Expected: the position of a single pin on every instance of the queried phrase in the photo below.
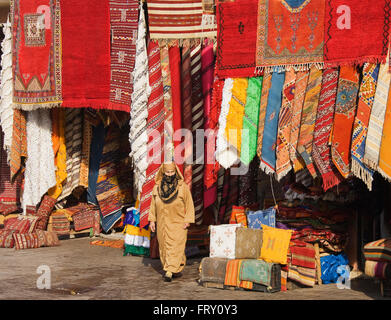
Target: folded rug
(305, 276)
(290, 34)
(262, 217)
(261, 272)
(213, 269)
(376, 269)
(379, 250)
(37, 49)
(222, 241)
(248, 243)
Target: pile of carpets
(378, 259)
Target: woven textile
(232, 273)
(268, 161)
(283, 163)
(6, 239)
(305, 276)
(302, 254)
(384, 166)
(6, 89)
(155, 121)
(366, 95)
(379, 270)
(266, 84)
(321, 153)
(248, 243)
(233, 60)
(73, 145)
(9, 192)
(310, 107)
(238, 216)
(123, 24)
(379, 250)
(40, 170)
(89, 118)
(376, 120)
(186, 108)
(177, 20)
(197, 114)
(36, 54)
(19, 142)
(346, 41)
(247, 184)
(262, 217)
(250, 120)
(222, 241)
(257, 271)
(138, 136)
(298, 102)
(213, 269)
(59, 223)
(345, 111)
(290, 33)
(275, 244)
(85, 219)
(85, 84)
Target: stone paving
(82, 271)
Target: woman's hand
(152, 226)
(186, 225)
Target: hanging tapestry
(123, 23)
(290, 33)
(247, 185)
(360, 129)
(6, 89)
(321, 152)
(89, 118)
(197, 111)
(268, 161)
(250, 120)
(376, 120)
(173, 19)
(384, 166)
(19, 142)
(267, 81)
(236, 38)
(222, 193)
(298, 102)
(155, 122)
(40, 170)
(138, 136)
(36, 48)
(345, 111)
(310, 107)
(356, 33)
(85, 38)
(283, 163)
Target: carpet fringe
(182, 42)
(385, 175)
(362, 173)
(266, 168)
(283, 68)
(370, 163)
(36, 106)
(330, 180)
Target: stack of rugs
(378, 259)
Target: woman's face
(169, 172)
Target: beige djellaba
(170, 219)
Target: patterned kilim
(268, 161)
(267, 81)
(173, 19)
(384, 166)
(250, 120)
(123, 21)
(347, 42)
(36, 53)
(345, 111)
(138, 137)
(321, 153)
(283, 163)
(360, 129)
(290, 33)
(376, 120)
(257, 271)
(114, 185)
(19, 142)
(298, 102)
(236, 38)
(73, 141)
(197, 123)
(310, 107)
(155, 121)
(305, 276)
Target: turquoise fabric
(257, 271)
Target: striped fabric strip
(197, 123)
(375, 127)
(360, 129)
(177, 19)
(155, 121)
(384, 166)
(187, 113)
(123, 23)
(232, 273)
(168, 126)
(267, 81)
(321, 152)
(138, 136)
(300, 86)
(19, 142)
(283, 163)
(73, 142)
(305, 276)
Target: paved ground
(82, 271)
